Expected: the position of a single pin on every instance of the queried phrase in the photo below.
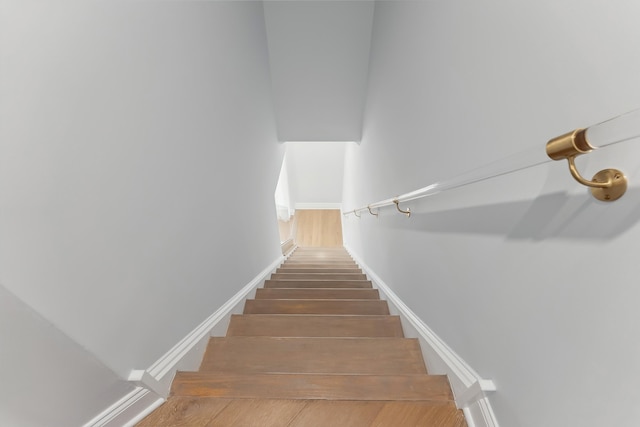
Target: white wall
(315, 171)
(282, 196)
(138, 163)
(525, 276)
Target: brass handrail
(606, 185)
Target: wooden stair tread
(351, 266)
(270, 283)
(323, 413)
(385, 356)
(318, 260)
(326, 255)
(313, 386)
(304, 325)
(318, 276)
(300, 306)
(316, 293)
(295, 270)
(216, 412)
(325, 261)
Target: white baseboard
(129, 410)
(153, 384)
(480, 414)
(470, 390)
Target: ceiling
(319, 60)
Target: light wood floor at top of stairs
(315, 347)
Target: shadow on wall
(552, 216)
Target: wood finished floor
(315, 347)
(318, 228)
(209, 412)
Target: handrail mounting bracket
(607, 185)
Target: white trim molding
(129, 410)
(470, 390)
(153, 384)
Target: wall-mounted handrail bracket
(607, 185)
(407, 212)
(355, 212)
(372, 213)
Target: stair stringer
(469, 388)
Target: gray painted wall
(319, 56)
(48, 379)
(138, 162)
(530, 280)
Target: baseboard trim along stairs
(470, 389)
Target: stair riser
(317, 293)
(325, 387)
(296, 270)
(353, 307)
(318, 284)
(319, 265)
(374, 356)
(331, 264)
(314, 326)
(335, 256)
(318, 276)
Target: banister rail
(607, 185)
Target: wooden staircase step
(321, 253)
(216, 412)
(318, 276)
(301, 251)
(351, 266)
(329, 264)
(248, 355)
(316, 293)
(313, 386)
(299, 260)
(317, 283)
(324, 257)
(320, 264)
(300, 306)
(304, 325)
(296, 270)
(321, 248)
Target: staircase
(316, 347)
